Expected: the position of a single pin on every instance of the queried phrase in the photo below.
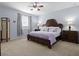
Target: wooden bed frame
(50, 22)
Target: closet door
(5, 28)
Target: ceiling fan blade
(38, 9)
(40, 6)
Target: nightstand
(70, 36)
(37, 30)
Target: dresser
(70, 36)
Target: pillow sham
(50, 29)
(54, 29)
(43, 29)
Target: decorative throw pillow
(43, 28)
(54, 29)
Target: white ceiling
(48, 6)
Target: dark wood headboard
(53, 22)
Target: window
(24, 20)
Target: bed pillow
(43, 29)
(54, 29)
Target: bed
(46, 37)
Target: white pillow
(54, 29)
(43, 28)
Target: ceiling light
(36, 6)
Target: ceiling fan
(36, 5)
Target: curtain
(19, 25)
(30, 24)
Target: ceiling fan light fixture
(36, 6)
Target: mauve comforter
(46, 35)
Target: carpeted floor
(23, 47)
